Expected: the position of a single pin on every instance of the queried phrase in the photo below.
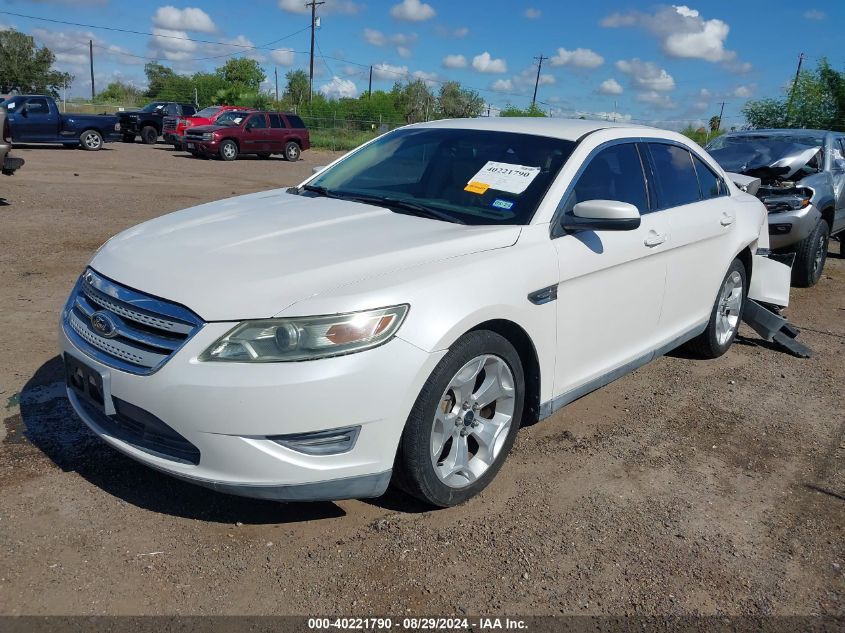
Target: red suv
(174, 127)
(243, 132)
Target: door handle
(655, 240)
(726, 220)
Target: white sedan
(400, 314)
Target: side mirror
(23, 112)
(839, 165)
(602, 215)
(317, 169)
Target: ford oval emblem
(103, 324)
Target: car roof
(567, 129)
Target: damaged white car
(400, 314)
(801, 177)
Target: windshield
(208, 112)
(9, 104)
(473, 176)
(233, 117)
(154, 106)
(749, 152)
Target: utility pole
(276, 73)
(91, 59)
(370, 89)
(794, 83)
(313, 4)
(537, 81)
(721, 113)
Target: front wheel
(292, 151)
(228, 150)
(725, 316)
(91, 140)
(811, 256)
(149, 135)
(464, 421)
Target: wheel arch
(747, 259)
(828, 213)
(524, 345)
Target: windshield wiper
(320, 190)
(406, 205)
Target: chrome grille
(170, 123)
(134, 331)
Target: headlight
(306, 338)
(208, 136)
(186, 123)
(791, 200)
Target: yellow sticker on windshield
(476, 187)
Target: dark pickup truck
(36, 119)
(148, 122)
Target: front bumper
(11, 164)
(228, 410)
(788, 228)
(173, 138)
(201, 147)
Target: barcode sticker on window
(505, 177)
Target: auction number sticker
(502, 177)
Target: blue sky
(640, 60)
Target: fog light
(330, 442)
(779, 229)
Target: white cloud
(502, 85)
(377, 38)
(610, 87)
(412, 11)
(462, 31)
(815, 14)
(682, 31)
(339, 88)
(646, 75)
(403, 51)
(454, 61)
(345, 7)
(656, 100)
(528, 76)
(172, 45)
(71, 48)
(484, 63)
(188, 19)
(532, 14)
(389, 72)
(429, 78)
(744, 92)
(447, 32)
(282, 56)
(605, 116)
(579, 58)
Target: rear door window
(295, 121)
(276, 120)
(257, 121)
(676, 182)
(710, 184)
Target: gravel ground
(688, 487)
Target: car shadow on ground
(54, 146)
(50, 425)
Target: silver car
(802, 184)
(8, 164)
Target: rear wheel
(811, 256)
(464, 421)
(228, 150)
(149, 135)
(292, 151)
(91, 140)
(725, 316)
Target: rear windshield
(473, 176)
(208, 112)
(232, 117)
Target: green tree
(296, 90)
(242, 72)
(455, 102)
(26, 68)
(207, 86)
(415, 101)
(715, 123)
(120, 93)
(531, 110)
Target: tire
(91, 140)
(725, 316)
(447, 416)
(811, 256)
(128, 138)
(292, 151)
(264, 155)
(149, 135)
(228, 150)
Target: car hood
(211, 127)
(253, 256)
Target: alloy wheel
(472, 421)
(92, 141)
(730, 304)
(820, 256)
(229, 151)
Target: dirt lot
(688, 487)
